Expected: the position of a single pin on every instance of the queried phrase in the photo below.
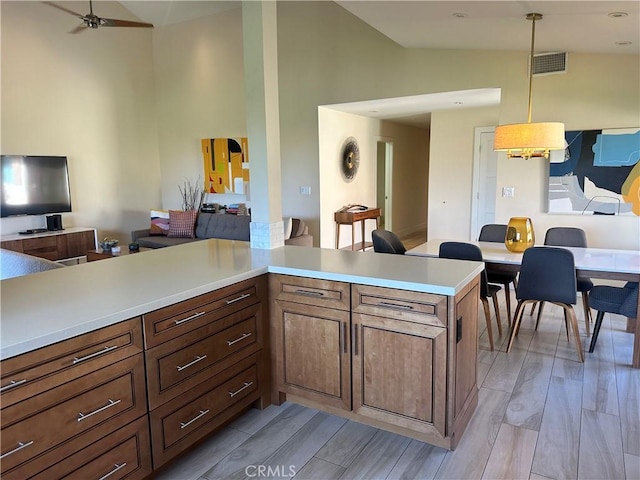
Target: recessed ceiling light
(623, 42)
(618, 14)
(459, 15)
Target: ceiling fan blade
(79, 28)
(51, 4)
(111, 22)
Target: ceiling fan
(91, 20)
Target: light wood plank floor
(541, 415)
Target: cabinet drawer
(175, 320)
(44, 247)
(404, 305)
(13, 245)
(35, 372)
(39, 423)
(310, 291)
(195, 357)
(181, 422)
(124, 453)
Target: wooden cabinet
(79, 392)
(400, 357)
(61, 245)
(205, 364)
(396, 359)
(311, 335)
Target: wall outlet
(508, 191)
(305, 190)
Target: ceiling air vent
(548, 63)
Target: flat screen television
(34, 185)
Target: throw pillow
(159, 222)
(298, 227)
(182, 224)
(288, 225)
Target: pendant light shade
(526, 140)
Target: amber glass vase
(520, 234)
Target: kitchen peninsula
(178, 341)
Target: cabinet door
(399, 372)
(312, 353)
(466, 350)
(75, 244)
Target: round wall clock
(350, 158)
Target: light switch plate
(508, 191)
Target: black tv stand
(31, 231)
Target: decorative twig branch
(191, 194)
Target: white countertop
(48, 233)
(43, 308)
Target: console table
(56, 245)
(351, 218)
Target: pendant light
(526, 140)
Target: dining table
(602, 263)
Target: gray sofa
(16, 264)
(215, 225)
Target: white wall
(88, 96)
(334, 128)
(451, 170)
(199, 75)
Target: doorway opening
(384, 183)
(485, 180)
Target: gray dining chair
(547, 274)
(468, 251)
(571, 237)
(608, 299)
(385, 241)
(496, 232)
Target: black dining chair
(571, 237)
(468, 251)
(385, 241)
(607, 299)
(547, 274)
(496, 232)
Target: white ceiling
(567, 26)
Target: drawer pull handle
(244, 387)
(237, 299)
(94, 354)
(20, 446)
(12, 383)
(192, 317)
(242, 337)
(310, 293)
(200, 415)
(117, 467)
(395, 305)
(82, 416)
(197, 359)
